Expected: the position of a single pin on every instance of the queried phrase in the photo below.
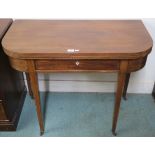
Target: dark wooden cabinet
(12, 88)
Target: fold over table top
(86, 39)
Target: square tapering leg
(35, 90)
(120, 87)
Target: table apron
(75, 65)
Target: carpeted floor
(87, 114)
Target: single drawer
(76, 65)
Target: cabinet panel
(12, 88)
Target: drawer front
(76, 65)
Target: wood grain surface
(73, 65)
(4, 25)
(97, 39)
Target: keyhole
(77, 63)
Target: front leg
(35, 90)
(120, 86)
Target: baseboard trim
(93, 86)
(153, 92)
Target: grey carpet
(87, 114)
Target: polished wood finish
(35, 89)
(73, 65)
(108, 39)
(120, 86)
(74, 45)
(12, 88)
(126, 86)
(136, 64)
(19, 64)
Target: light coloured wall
(140, 82)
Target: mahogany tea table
(120, 46)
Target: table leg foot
(114, 133)
(41, 133)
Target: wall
(140, 82)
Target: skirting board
(86, 86)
